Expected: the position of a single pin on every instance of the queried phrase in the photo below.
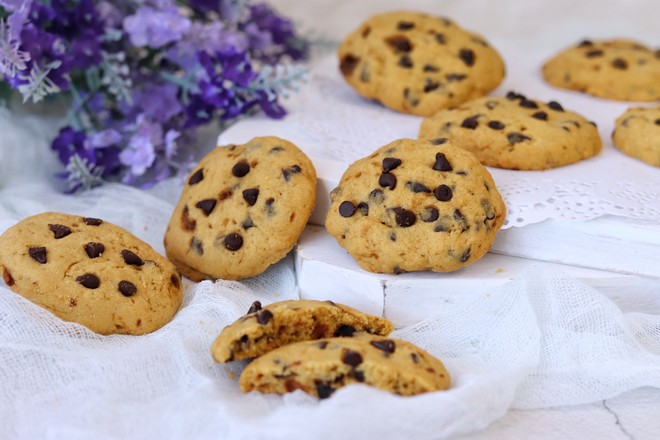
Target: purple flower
(159, 102)
(140, 152)
(102, 139)
(70, 142)
(153, 28)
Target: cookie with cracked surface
(416, 205)
(516, 132)
(321, 367)
(622, 70)
(416, 63)
(637, 134)
(242, 209)
(264, 329)
(90, 271)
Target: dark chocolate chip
(89, 280)
(593, 53)
(240, 169)
(585, 43)
(127, 288)
(323, 390)
(460, 218)
(443, 193)
(288, 172)
(174, 279)
(406, 62)
(619, 63)
(399, 43)
(197, 177)
(197, 245)
(358, 375)
(555, 106)
(250, 195)
(207, 206)
(264, 316)
(387, 180)
(348, 64)
(233, 242)
(393, 236)
(268, 207)
(528, 103)
(60, 231)
(657, 121)
(513, 96)
(387, 345)
(363, 208)
(322, 344)
(541, 115)
(467, 55)
(417, 187)
(430, 68)
(470, 122)
(405, 25)
(495, 125)
(438, 141)
(390, 163)
(346, 209)
(377, 196)
(440, 38)
(131, 258)
(455, 77)
(465, 256)
(6, 275)
(517, 137)
(38, 254)
(414, 357)
(441, 163)
(247, 223)
(344, 331)
(255, 307)
(94, 250)
(430, 85)
(404, 218)
(91, 221)
(352, 358)
(429, 214)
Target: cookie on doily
(89, 271)
(243, 208)
(416, 205)
(620, 69)
(637, 133)
(416, 63)
(516, 132)
(321, 367)
(264, 329)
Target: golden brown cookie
(623, 70)
(416, 205)
(89, 271)
(321, 367)
(243, 208)
(285, 322)
(637, 133)
(419, 64)
(516, 132)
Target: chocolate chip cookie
(321, 367)
(623, 70)
(243, 208)
(416, 205)
(637, 134)
(264, 329)
(516, 132)
(89, 271)
(419, 64)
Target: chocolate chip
(366, 31)
(455, 77)
(513, 96)
(250, 195)
(323, 390)
(406, 62)
(6, 275)
(127, 288)
(288, 172)
(470, 122)
(405, 25)
(555, 106)
(657, 121)
(399, 43)
(430, 68)
(387, 345)
(247, 223)
(348, 64)
(441, 163)
(174, 279)
(94, 250)
(197, 245)
(543, 116)
(89, 280)
(619, 63)
(91, 221)
(514, 138)
(465, 256)
(346, 209)
(344, 331)
(264, 316)
(377, 196)
(430, 85)
(440, 38)
(467, 55)
(594, 53)
(438, 141)
(585, 43)
(390, 163)
(206, 205)
(417, 187)
(495, 125)
(528, 103)
(443, 193)
(358, 375)
(404, 218)
(363, 208)
(414, 357)
(410, 99)
(187, 223)
(38, 254)
(460, 218)
(387, 180)
(393, 236)
(268, 207)
(60, 231)
(255, 307)
(233, 242)
(322, 344)
(429, 214)
(352, 358)
(240, 169)
(131, 258)
(197, 177)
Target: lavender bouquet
(143, 75)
